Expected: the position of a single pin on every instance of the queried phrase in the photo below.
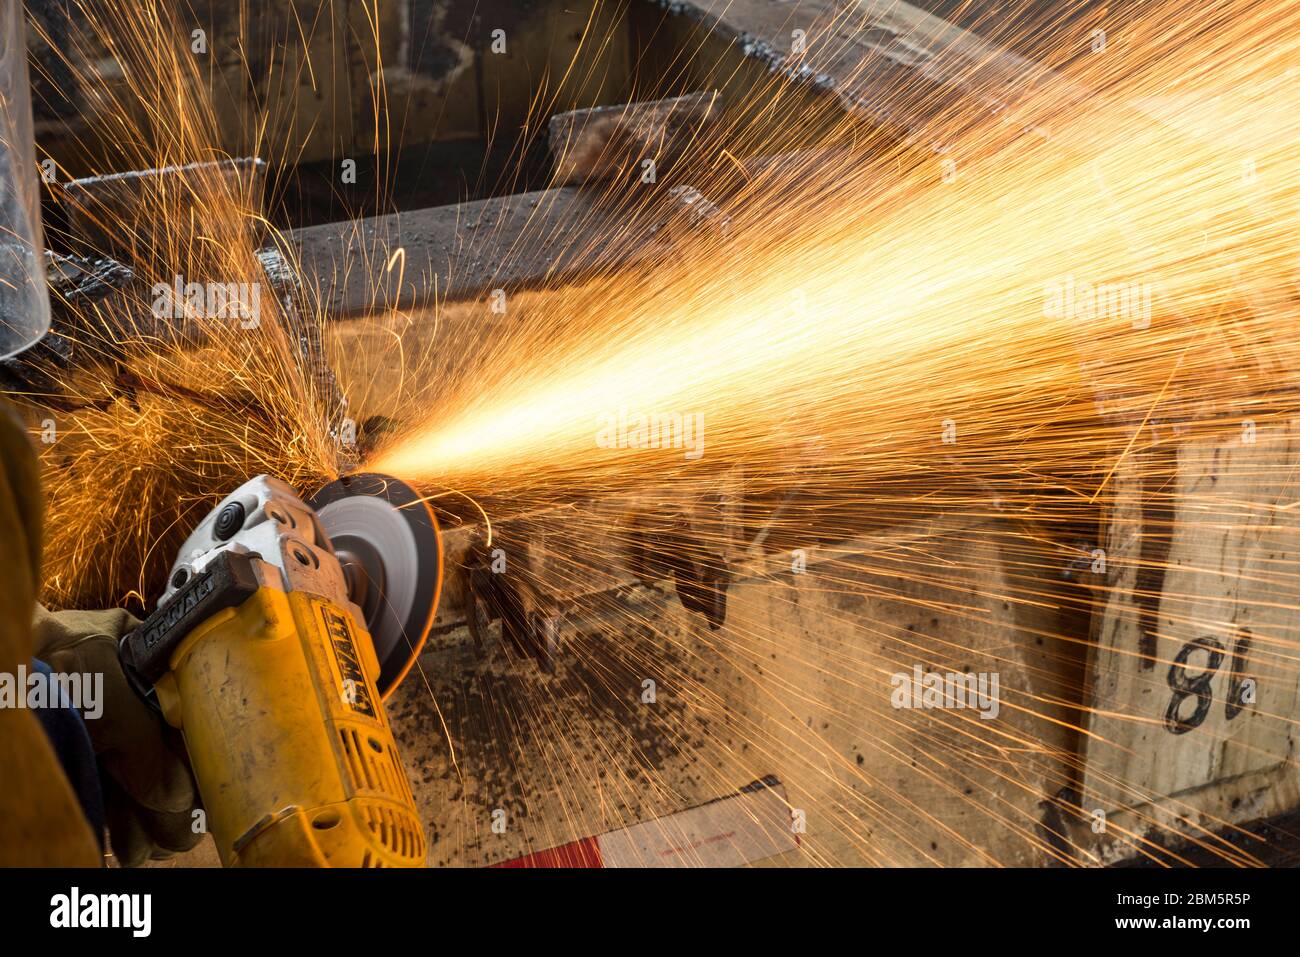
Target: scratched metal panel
(795, 684)
(1201, 545)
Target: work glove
(149, 793)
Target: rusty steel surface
(610, 141)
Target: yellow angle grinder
(283, 627)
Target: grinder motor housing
(258, 654)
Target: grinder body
(258, 655)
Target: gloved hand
(149, 793)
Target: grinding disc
(386, 536)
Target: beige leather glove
(149, 793)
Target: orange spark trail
(866, 314)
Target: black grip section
(225, 583)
